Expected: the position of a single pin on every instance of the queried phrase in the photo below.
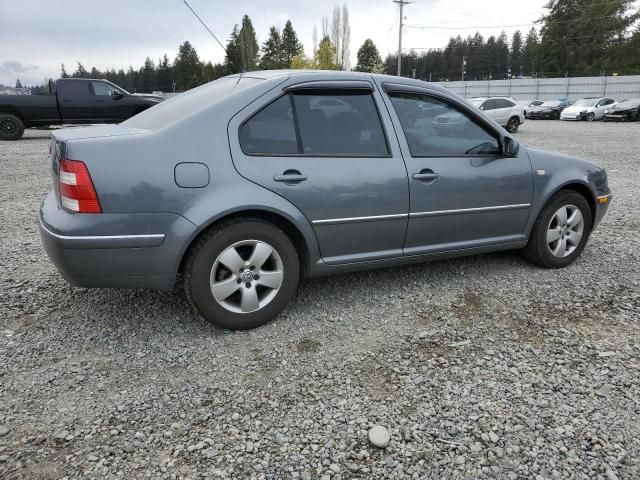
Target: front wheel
(513, 124)
(560, 232)
(11, 127)
(590, 117)
(242, 274)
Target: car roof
(341, 74)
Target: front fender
(554, 171)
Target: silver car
(504, 110)
(241, 188)
(588, 109)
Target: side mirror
(116, 95)
(510, 147)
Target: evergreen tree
(530, 52)
(121, 79)
(516, 52)
(272, 51)
(187, 68)
(369, 58)
(578, 36)
(63, 72)
(148, 76)
(291, 46)
(132, 81)
(80, 72)
(326, 56)
(502, 65)
(248, 45)
(164, 81)
(232, 60)
(18, 83)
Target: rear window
(175, 108)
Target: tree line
(573, 37)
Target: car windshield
(633, 103)
(585, 102)
(551, 103)
(476, 102)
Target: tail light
(77, 193)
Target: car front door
(464, 192)
(333, 161)
(110, 107)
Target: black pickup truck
(71, 101)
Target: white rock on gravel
(379, 436)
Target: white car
(504, 110)
(589, 109)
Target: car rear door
(77, 102)
(464, 192)
(333, 160)
(490, 108)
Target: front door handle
(290, 177)
(426, 175)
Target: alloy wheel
(8, 127)
(512, 126)
(565, 231)
(590, 117)
(246, 276)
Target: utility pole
(464, 67)
(402, 3)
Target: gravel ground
(482, 367)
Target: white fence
(619, 88)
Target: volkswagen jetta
(239, 189)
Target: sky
(37, 36)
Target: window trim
(476, 118)
(296, 126)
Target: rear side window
(502, 103)
(271, 130)
(434, 128)
(327, 123)
(75, 88)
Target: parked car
(241, 188)
(504, 110)
(627, 111)
(529, 103)
(589, 109)
(549, 110)
(72, 101)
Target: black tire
(513, 124)
(11, 127)
(590, 117)
(556, 115)
(203, 256)
(537, 250)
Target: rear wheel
(513, 124)
(242, 274)
(11, 127)
(560, 232)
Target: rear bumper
(141, 250)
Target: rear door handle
(290, 177)
(425, 176)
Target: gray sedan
(239, 189)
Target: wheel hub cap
(246, 276)
(565, 230)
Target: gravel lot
(482, 367)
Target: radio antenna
(242, 69)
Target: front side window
(450, 133)
(327, 123)
(103, 89)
